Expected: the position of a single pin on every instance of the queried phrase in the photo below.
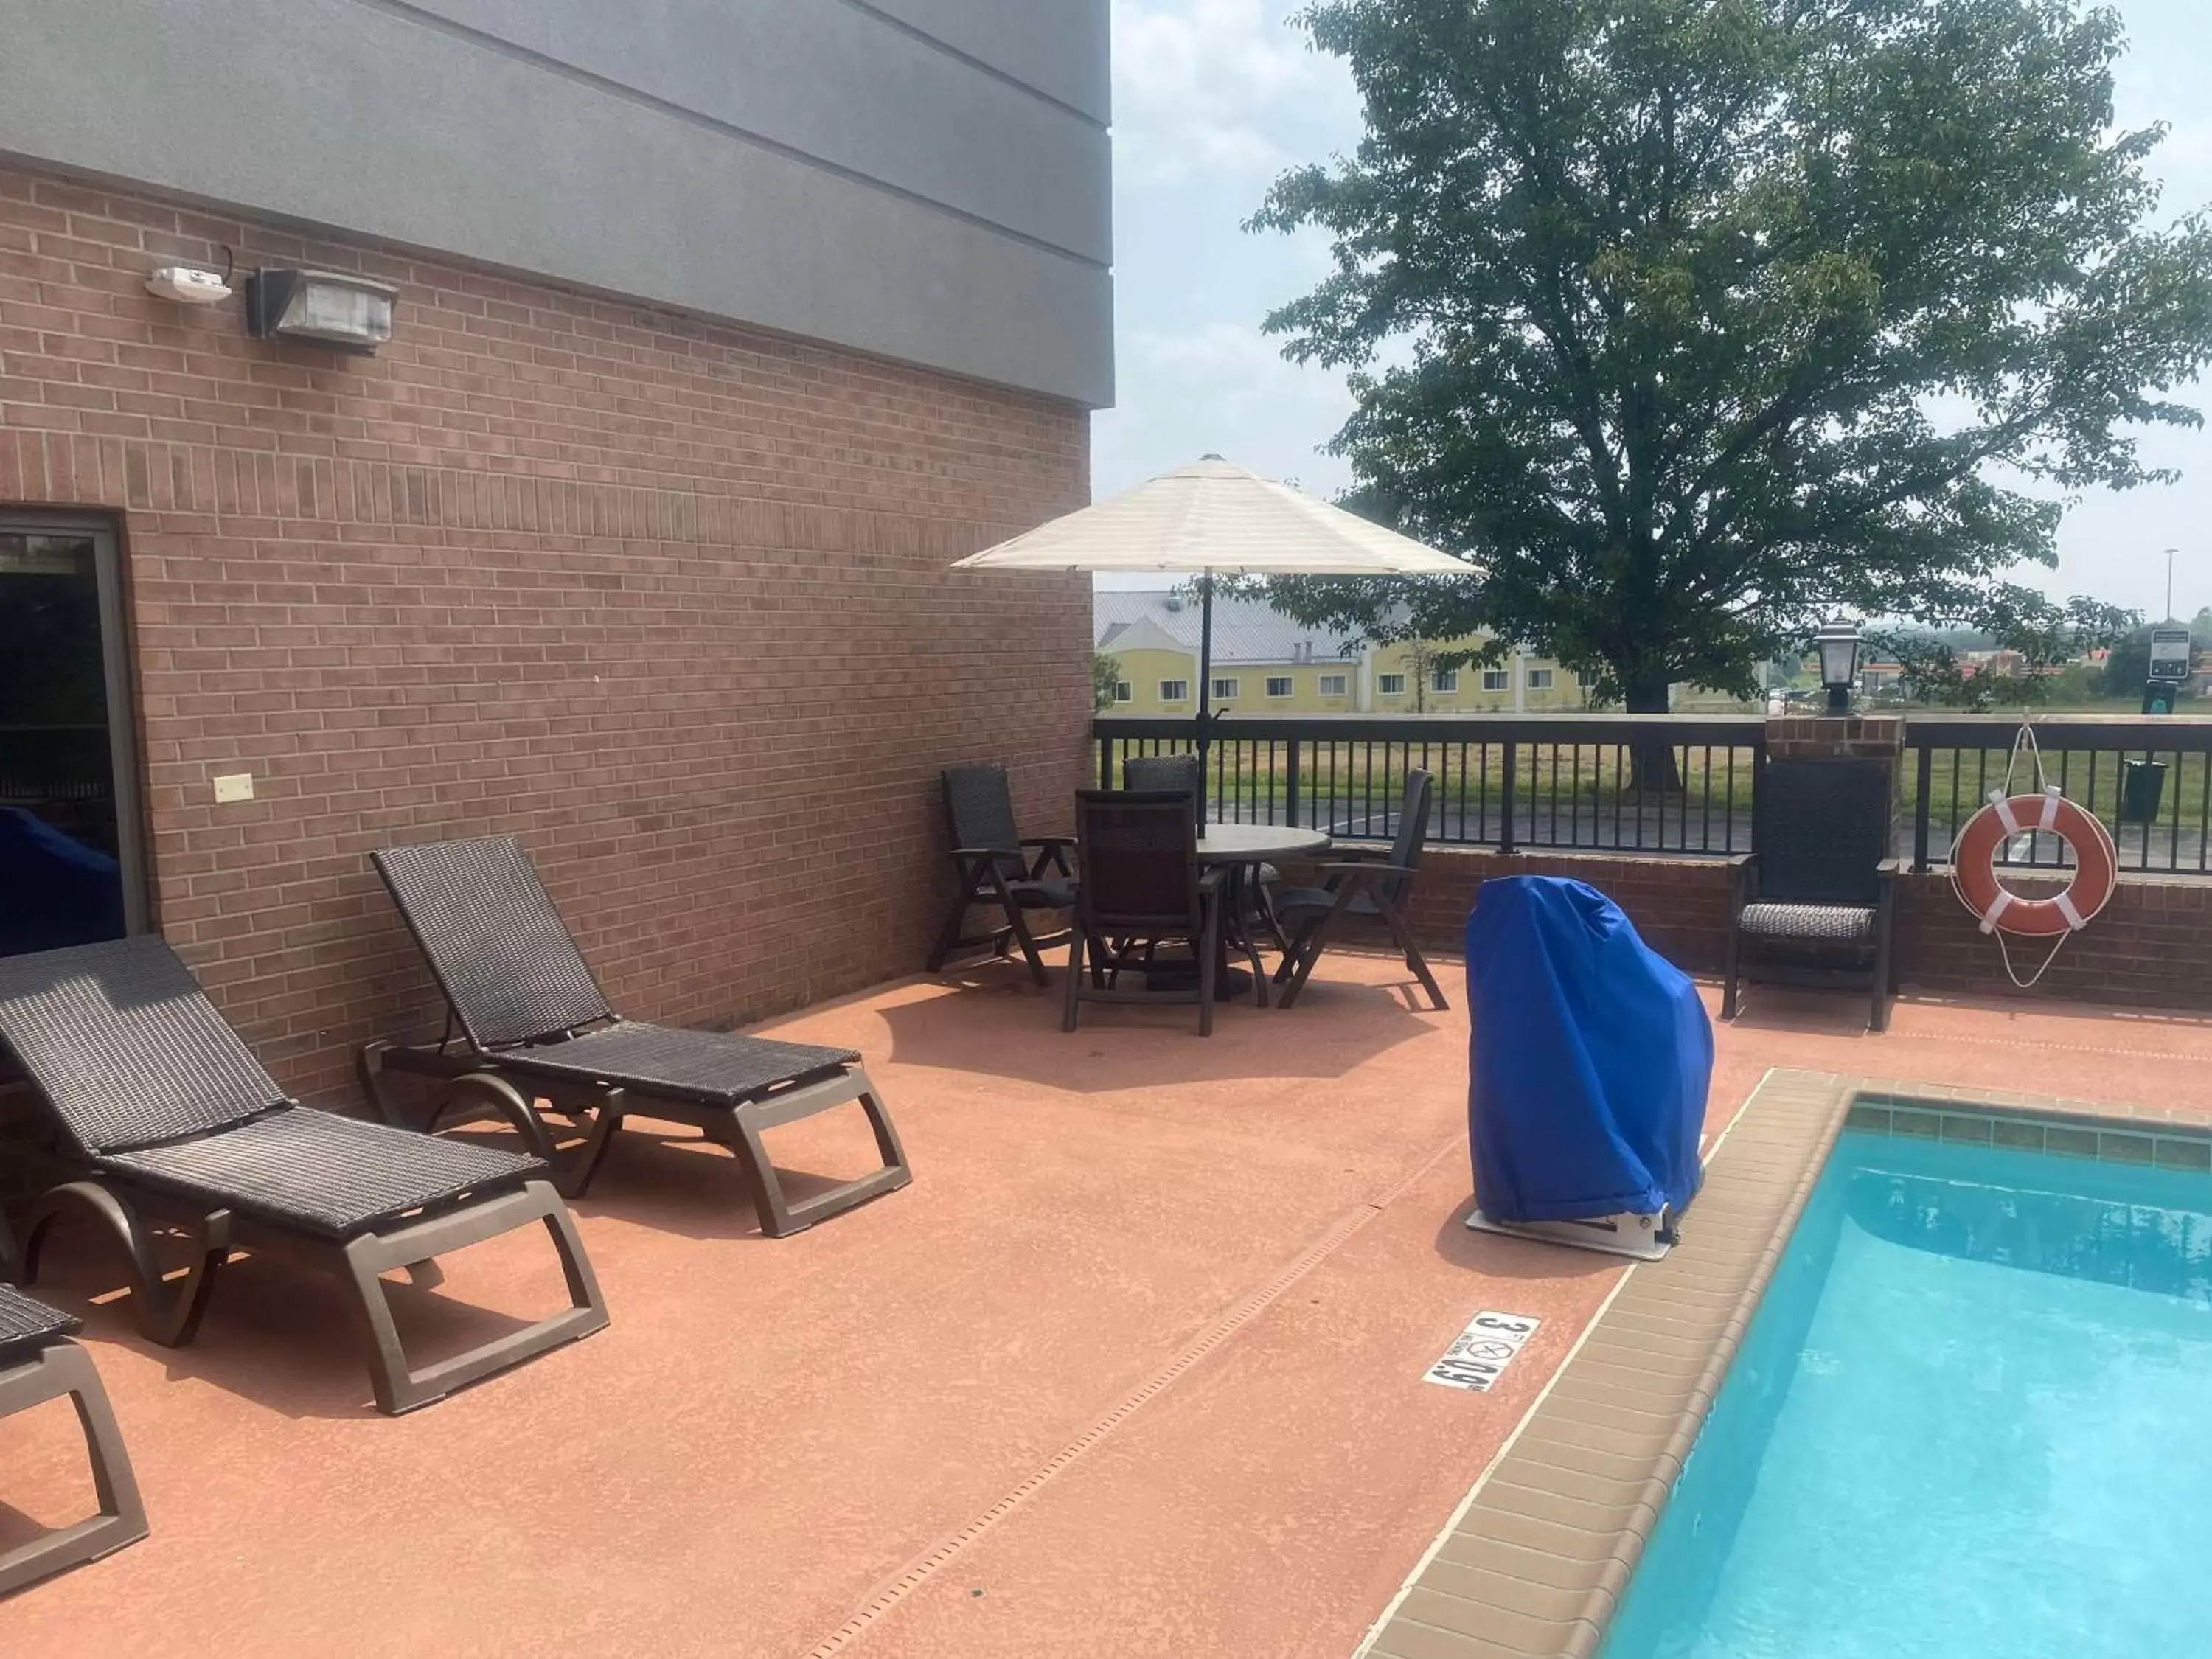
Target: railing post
(1506, 796)
(1105, 759)
(1291, 781)
(1923, 775)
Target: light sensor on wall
(333, 308)
(188, 285)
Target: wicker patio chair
(998, 866)
(1141, 884)
(39, 1363)
(166, 1114)
(1366, 883)
(1819, 883)
(534, 1024)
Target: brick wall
(2151, 948)
(666, 598)
(1681, 906)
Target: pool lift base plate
(1643, 1238)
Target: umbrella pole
(1204, 686)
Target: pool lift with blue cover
(1588, 1066)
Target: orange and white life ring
(1973, 865)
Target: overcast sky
(1213, 98)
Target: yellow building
(1406, 679)
(1266, 664)
(1263, 662)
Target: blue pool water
(1972, 1418)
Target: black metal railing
(1630, 783)
(2148, 780)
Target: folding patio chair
(534, 1024)
(1356, 884)
(1184, 772)
(998, 866)
(39, 1363)
(167, 1113)
(1142, 884)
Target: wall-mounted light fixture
(333, 308)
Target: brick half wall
(1681, 906)
(2152, 947)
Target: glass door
(70, 845)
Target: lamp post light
(1838, 642)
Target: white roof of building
(1244, 630)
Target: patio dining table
(1241, 849)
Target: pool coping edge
(1758, 1181)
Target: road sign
(2169, 653)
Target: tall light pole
(2169, 584)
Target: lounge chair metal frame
(96, 1185)
(498, 1069)
(45, 1365)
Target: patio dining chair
(1367, 883)
(1815, 897)
(1141, 885)
(1000, 868)
(39, 1363)
(1186, 773)
(533, 1025)
(166, 1117)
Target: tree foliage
(2040, 633)
(1105, 678)
(1693, 321)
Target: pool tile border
(2063, 1129)
(1534, 1565)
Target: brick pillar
(1798, 737)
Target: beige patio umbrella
(1213, 517)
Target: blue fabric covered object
(53, 891)
(1590, 1058)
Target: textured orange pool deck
(1133, 1368)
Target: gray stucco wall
(923, 180)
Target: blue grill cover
(1590, 1058)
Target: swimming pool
(1972, 1417)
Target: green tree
(1693, 321)
(1105, 678)
(2043, 635)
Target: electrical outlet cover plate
(233, 787)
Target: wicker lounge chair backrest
(123, 1043)
(1139, 852)
(1821, 828)
(508, 964)
(979, 808)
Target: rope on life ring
(1974, 855)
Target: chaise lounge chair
(166, 1113)
(534, 1024)
(39, 1363)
